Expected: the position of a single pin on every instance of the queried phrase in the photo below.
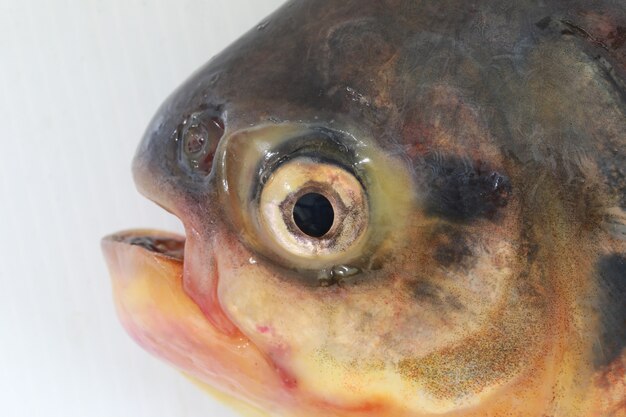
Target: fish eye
(312, 199)
(199, 139)
(313, 210)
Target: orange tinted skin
(488, 277)
(159, 315)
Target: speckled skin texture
(490, 279)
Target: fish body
(393, 208)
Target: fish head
(393, 209)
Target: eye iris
(313, 214)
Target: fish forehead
(512, 90)
(378, 63)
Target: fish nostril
(313, 214)
(200, 137)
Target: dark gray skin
(506, 122)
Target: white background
(79, 81)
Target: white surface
(79, 81)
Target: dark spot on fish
(544, 23)
(614, 169)
(428, 292)
(612, 306)
(460, 190)
(453, 249)
(618, 37)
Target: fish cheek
(479, 290)
(453, 248)
(377, 337)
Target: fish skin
(491, 141)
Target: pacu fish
(393, 208)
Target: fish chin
(146, 269)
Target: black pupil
(313, 214)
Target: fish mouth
(168, 245)
(147, 275)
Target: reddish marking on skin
(612, 386)
(617, 37)
(276, 357)
(614, 375)
(289, 381)
(599, 24)
(417, 138)
(262, 329)
(610, 32)
(334, 178)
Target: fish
(393, 208)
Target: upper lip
(169, 245)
